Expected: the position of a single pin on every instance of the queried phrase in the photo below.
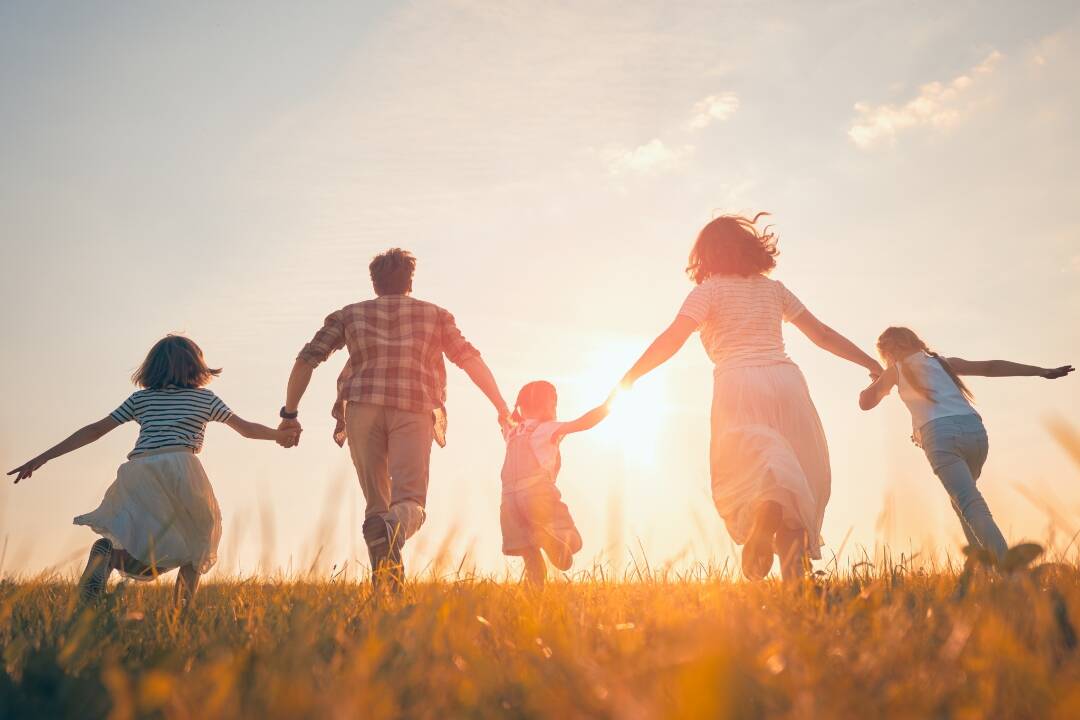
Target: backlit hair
(174, 361)
(533, 399)
(392, 272)
(896, 343)
(732, 245)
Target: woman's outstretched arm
(1005, 368)
(79, 438)
(828, 339)
(662, 349)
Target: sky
(228, 172)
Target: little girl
(160, 513)
(533, 515)
(945, 424)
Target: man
(391, 397)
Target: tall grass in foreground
(879, 641)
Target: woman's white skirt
(162, 511)
(768, 444)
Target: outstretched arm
(257, 431)
(871, 396)
(481, 375)
(586, 422)
(828, 339)
(79, 438)
(662, 349)
(1005, 368)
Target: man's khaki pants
(391, 450)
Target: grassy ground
(877, 642)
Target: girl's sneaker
(98, 568)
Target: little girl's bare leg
(187, 582)
(535, 568)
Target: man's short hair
(392, 272)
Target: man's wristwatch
(286, 415)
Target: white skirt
(162, 511)
(768, 445)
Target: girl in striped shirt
(160, 513)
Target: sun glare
(637, 415)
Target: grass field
(879, 641)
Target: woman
(769, 460)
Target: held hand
(290, 433)
(1055, 373)
(27, 469)
(875, 371)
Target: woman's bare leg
(535, 568)
(757, 554)
(187, 582)
(791, 546)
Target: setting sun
(638, 415)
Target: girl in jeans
(945, 424)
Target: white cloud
(938, 105)
(714, 108)
(652, 157)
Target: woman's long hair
(732, 245)
(532, 399)
(896, 343)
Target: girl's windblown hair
(896, 343)
(174, 361)
(533, 399)
(732, 245)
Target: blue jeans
(956, 448)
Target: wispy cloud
(714, 108)
(653, 157)
(938, 105)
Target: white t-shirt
(532, 455)
(944, 398)
(740, 319)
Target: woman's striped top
(171, 417)
(740, 319)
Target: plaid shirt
(396, 346)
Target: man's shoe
(384, 549)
